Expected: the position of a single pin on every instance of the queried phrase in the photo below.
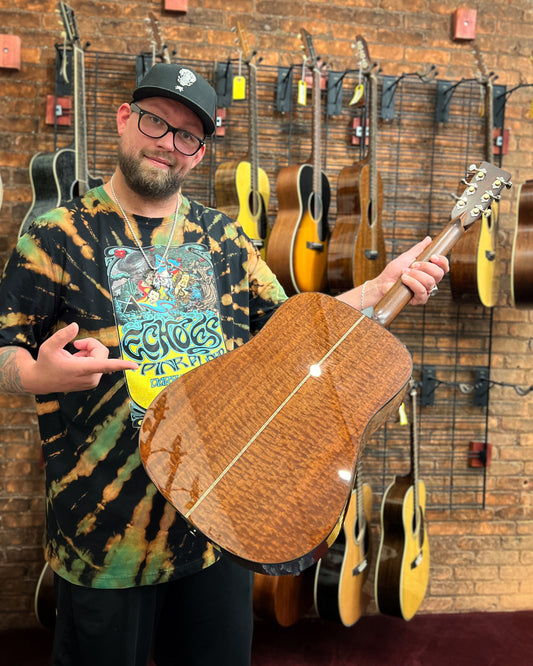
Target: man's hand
(56, 369)
(421, 277)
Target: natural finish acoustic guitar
(474, 271)
(402, 568)
(242, 188)
(264, 466)
(339, 590)
(298, 244)
(356, 250)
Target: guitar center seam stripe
(245, 448)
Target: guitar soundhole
(254, 203)
(315, 206)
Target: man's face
(153, 167)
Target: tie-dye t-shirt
(106, 524)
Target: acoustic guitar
(341, 574)
(59, 176)
(283, 599)
(402, 568)
(474, 273)
(356, 250)
(298, 244)
(522, 252)
(264, 467)
(242, 188)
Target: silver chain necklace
(156, 267)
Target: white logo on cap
(185, 78)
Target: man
(106, 301)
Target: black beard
(157, 189)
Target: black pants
(194, 621)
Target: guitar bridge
(318, 247)
(417, 560)
(360, 567)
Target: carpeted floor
(469, 639)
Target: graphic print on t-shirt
(168, 320)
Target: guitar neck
(489, 119)
(253, 145)
(316, 141)
(372, 156)
(414, 448)
(80, 127)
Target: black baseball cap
(184, 85)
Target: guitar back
(265, 492)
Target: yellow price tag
(357, 94)
(302, 92)
(239, 87)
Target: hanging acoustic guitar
(356, 250)
(298, 244)
(257, 449)
(474, 272)
(402, 566)
(59, 176)
(242, 188)
(522, 252)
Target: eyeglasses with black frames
(155, 127)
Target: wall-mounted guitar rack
(430, 131)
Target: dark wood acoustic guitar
(264, 466)
(59, 176)
(522, 252)
(402, 566)
(474, 271)
(339, 590)
(283, 599)
(298, 244)
(356, 250)
(242, 188)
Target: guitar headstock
(484, 74)
(309, 48)
(69, 23)
(483, 185)
(160, 48)
(363, 55)
(242, 38)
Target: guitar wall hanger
(390, 83)
(283, 89)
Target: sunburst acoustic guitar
(474, 270)
(242, 188)
(269, 484)
(298, 245)
(356, 250)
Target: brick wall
(482, 559)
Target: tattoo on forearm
(9, 372)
